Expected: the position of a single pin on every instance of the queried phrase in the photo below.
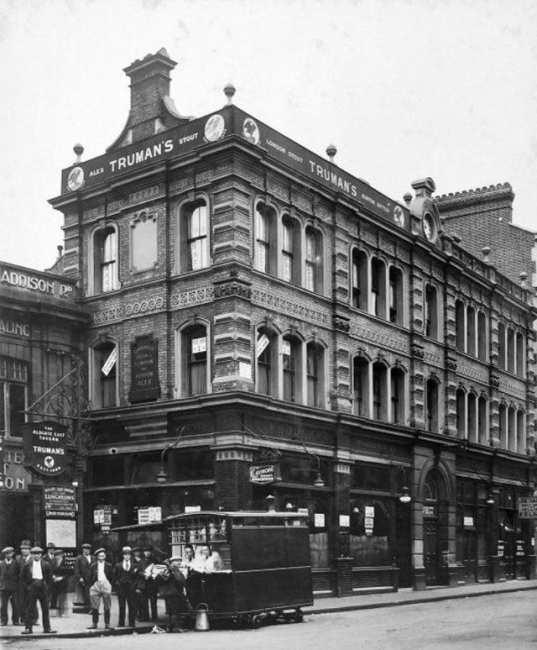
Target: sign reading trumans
(45, 447)
(231, 121)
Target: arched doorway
(434, 528)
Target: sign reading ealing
(45, 447)
(231, 121)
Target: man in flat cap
(101, 582)
(9, 587)
(22, 559)
(37, 576)
(60, 582)
(49, 555)
(82, 573)
(127, 578)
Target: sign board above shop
(230, 121)
(45, 447)
(527, 507)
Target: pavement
(74, 625)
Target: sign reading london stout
(144, 370)
(45, 447)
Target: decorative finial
(486, 252)
(229, 91)
(407, 198)
(79, 150)
(331, 151)
(523, 278)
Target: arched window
(104, 374)
(193, 355)
(482, 336)
(460, 330)
(315, 374)
(520, 354)
(194, 237)
(267, 362)
(361, 386)
(314, 260)
(359, 292)
(502, 417)
(291, 250)
(265, 239)
(511, 429)
(431, 311)
(510, 350)
(521, 431)
(105, 275)
(470, 331)
(396, 295)
(380, 391)
(378, 288)
(482, 420)
(398, 395)
(292, 366)
(472, 417)
(501, 346)
(431, 406)
(461, 413)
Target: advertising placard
(60, 502)
(261, 474)
(527, 507)
(145, 384)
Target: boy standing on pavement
(9, 586)
(101, 580)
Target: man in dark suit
(82, 571)
(24, 557)
(9, 587)
(101, 582)
(60, 582)
(127, 578)
(37, 576)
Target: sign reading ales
(144, 376)
(45, 447)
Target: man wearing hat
(100, 581)
(172, 589)
(21, 560)
(49, 555)
(127, 578)
(9, 586)
(82, 573)
(60, 582)
(37, 576)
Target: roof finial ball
(331, 151)
(79, 150)
(229, 91)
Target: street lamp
(162, 476)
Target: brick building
(483, 219)
(262, 322)
(41, 340)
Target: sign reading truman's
(45, 447)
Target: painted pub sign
(145, 385)
(45, 447)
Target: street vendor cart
(259, 566)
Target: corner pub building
(264, 323)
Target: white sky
(403, 88)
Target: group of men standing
(26, 580)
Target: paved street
(507, 621)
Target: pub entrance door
(430, 551)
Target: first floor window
(104, 389)
(195, 356)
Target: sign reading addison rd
(527, 507)
(45, 447)
(60, 502)
(144, 370)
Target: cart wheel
(299, 616)
(256, 621)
